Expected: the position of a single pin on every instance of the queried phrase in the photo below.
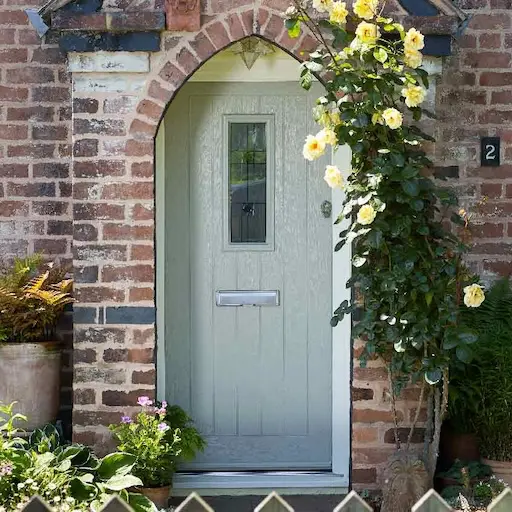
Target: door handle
(326, 208)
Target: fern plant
(481, 393)
(33, 295)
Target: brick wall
(117, 103)
(35, 136)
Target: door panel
(257, 380)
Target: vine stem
(393, 408)
(416, 415)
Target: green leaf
(139, 503)
(293, 27)
(119, 482)
(380, 54)
(418, 205)
(428, 297)
(358, 261)
(434, 376)
(82, 491)
(468, 337)
(306, 80)
(464, 354)
(411, 187)
(64, 465)
(116, 464)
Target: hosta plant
(67, 477)
(33, 295)
(407, 259)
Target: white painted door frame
(276, 67)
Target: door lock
(326, 208)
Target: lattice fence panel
(431, 502)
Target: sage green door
(243, 215)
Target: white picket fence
(431, 502)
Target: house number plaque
(490, 152)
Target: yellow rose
(327, 136)
(413, 58)
(322, 5)
(339, 13)
(366, 214)
(414, 40)
(366, 9)
(473, 295)
(377, 118)
(333, 177)
(367, 33)
(313, 148)
(393, 118)
(414, 95)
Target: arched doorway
(245, 277)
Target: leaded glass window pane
(248, 182)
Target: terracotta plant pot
(30, 375)
(455, 445)
(502, 470)
(158, 495)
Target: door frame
(278, 67)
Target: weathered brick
(39, 189)
(403, 435)
(144, 377)
(160, 93)
(51, 94)
(364, 475)
(31, 150)
(125, 398)
(98, 294)
(97, 211)
(84, 396)
(93, 252)
(87, 355)
(13, 208)
(13, 170)
(142, 252)
(136, 273)
(51, 247)
(99, 168)
(85, 232)
(141, 294)
(362, 394)
(49, 132)
(100, 335)
(36, 113)
(85, 147)
(30, 75)
(99, 126)
(140, 190)
(50, 208)
(94, 374)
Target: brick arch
(184, 61)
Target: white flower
(414, 40)
(313, 147)
(414, 95)
(393, 118)
(473, 295)
(366, 9)
(366, 214)
(322, 5)
(333, 177)
(327, 136)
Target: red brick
(13, 208)
(30, 75)
(85, 147)
(50, 170)
(85, 105)
(373, 416)
(86, 190)
(13, 55)
(32, 150)
(142, 212)
(98, 211)
(143, 130)
(84, 355)
(484, 60)
(364, 435)
(134, 273)
(490, 22)
(99, 168)
(98, 294)
(235, 27)
(362, 394)
(48, 56)
(171, 74)
(141, 377)
(139, 190)
(127, 232)
(141, 294)
(39, 189)
(73, 21)
(84, 396)
(503, 268)
(139, 148)
(364, 475)
(274, 27)
(144, 336)
(13, 131)
(126, 398)
(492, 248)
(187, 61)
(50, 208)
(17, 17)
(51, 247)
(28, 37)
(13, 93)
(52, 94)
(7, 35)
(218, 35)
(490, 41)
(202, 46)
(150, 109)
(142, 170)
(160, 93)
(49, 132)
(487, 230)
(85, 232)
(142, 252)
(99, 126)
(373, 455)
(13, 170)
(491, 190)
(370, 374)
(495, 116)
(495, 79)
(36, 113)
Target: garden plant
(402, 225)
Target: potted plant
(155, 444)
(493, 356)
(33, 296)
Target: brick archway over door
(115, 120)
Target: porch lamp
(251, 48)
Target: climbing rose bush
(407, 258)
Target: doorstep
(259, 483)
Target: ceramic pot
(158, 495)
(502, 470)
(457, 446)
(30, 376)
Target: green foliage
(481, 393)
(152, 441)
(67, 477)
(33, 296)
(406, 264)
(190, 441)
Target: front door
(248, 276)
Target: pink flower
(126, 419)
(144, 401)
(163, 427)
(163, 409)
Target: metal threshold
(252, 483)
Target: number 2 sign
(490, 152)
